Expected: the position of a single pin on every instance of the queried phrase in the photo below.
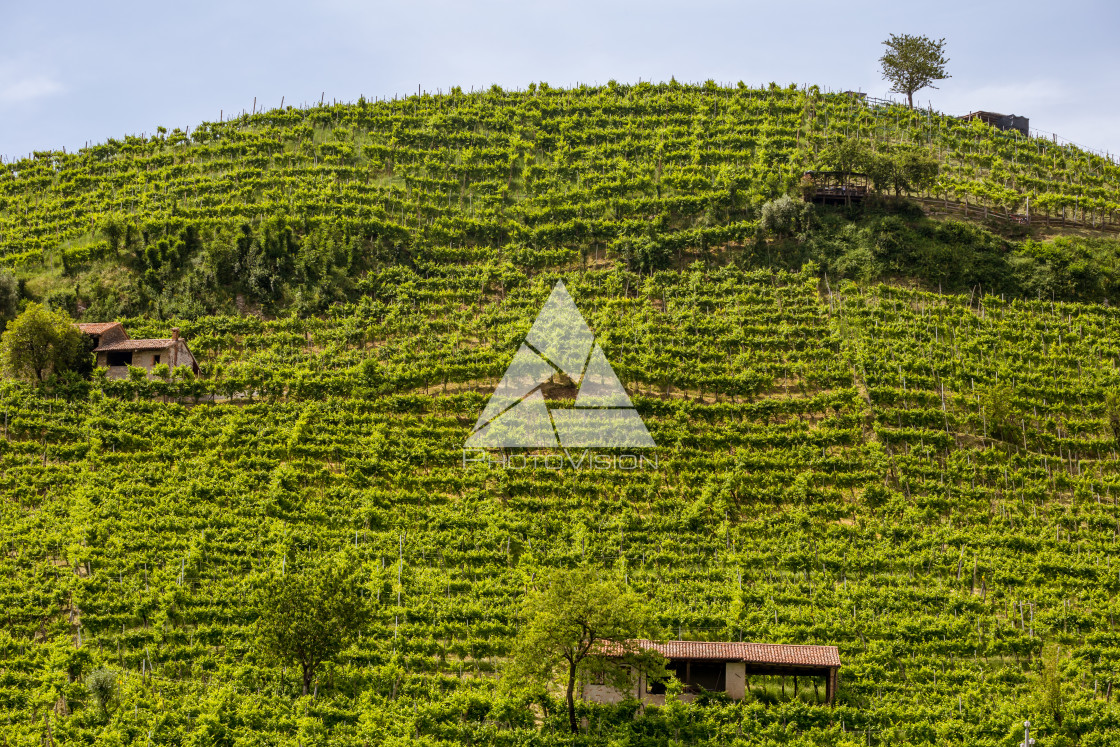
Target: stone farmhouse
(116, 351)
(726, 668)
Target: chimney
(174, 333)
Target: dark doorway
(694, 675)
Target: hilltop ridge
(925, 480)
(287, 209)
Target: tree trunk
(571, 698)
(307, 673)
(910, 98)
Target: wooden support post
(831, 685)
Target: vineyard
(283, 209)
(927, 480)
(830, 470)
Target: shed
(1001, 121)
(726, 667)
(836, 187)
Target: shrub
(786, 216)
(102, 685)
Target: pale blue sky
(72, 72)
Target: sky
(78, 72)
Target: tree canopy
(9, 296)
(102, 685)
(912, 63)
(568, 619)
(902, 168)
(308, 616)
(40, 342)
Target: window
(119, 358)
(155, 360)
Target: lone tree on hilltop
(582, 622)
(308, 616)
(40, 342)
(912, 63)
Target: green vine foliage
(283, 209)
(828, 472)
(927, 481)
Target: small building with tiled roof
(116, 351)
(1001, 121)
(718, 666)
(100, 332)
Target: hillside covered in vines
(927, 480)
(285, 209)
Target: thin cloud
(29, 88)
(1053, 107)
(55, 82)
(1018, 98)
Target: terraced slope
(927, 481)
(285, 208)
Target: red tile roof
(98, 328)
(756, 653)
(116, 345)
